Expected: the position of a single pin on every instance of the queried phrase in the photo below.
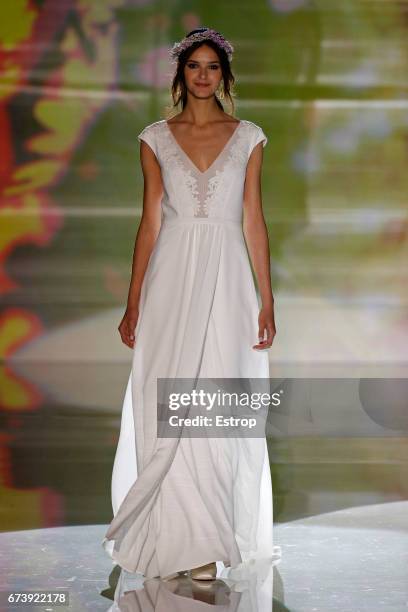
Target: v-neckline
(225, 147)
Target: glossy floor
(354, 559)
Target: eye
(195, 65)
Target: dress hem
(108, 546)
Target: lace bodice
(189, 192)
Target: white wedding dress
(182, 503)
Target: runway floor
(353, 560)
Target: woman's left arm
(257, 240)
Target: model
(194, 504)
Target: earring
(221, 92)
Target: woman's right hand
(127, 326)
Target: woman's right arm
(145, 239)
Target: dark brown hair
(178, 86)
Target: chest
(206, 189)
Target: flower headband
(207, 34)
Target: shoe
(204, 572)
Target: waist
(235, 223)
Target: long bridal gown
(181, 503)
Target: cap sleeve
(148, 136)
(257, 136)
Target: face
(202, 72)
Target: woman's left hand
(266, 321)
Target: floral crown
(207, 34)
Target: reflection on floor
(247, 589)
(354, 559)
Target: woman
(194, 504)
